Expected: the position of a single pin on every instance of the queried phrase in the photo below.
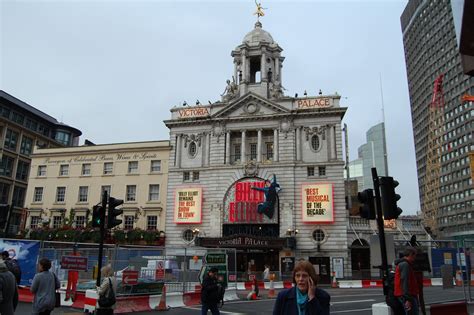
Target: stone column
(259, 145)
(298, 143)
(334, 142)
(275, 145)
(235, 71)
(227, 147)
(330, 142)
(263, 68)
(178, 151)
(208, 143)
(242, 148)
(277, 69)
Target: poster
(287, 264)
(338, 267)
(187, 205)
(26, 253)
(317, 203)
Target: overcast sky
(113, 69)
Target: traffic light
(113, 213)
(4, 210)
(389, 198)
(98, 215)
(367, 209)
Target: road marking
(335, 296)
(220, 311)
(355, 301)
(352, 311)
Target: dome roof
(258, 35)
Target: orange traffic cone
(458, 278)
(271, 291)
(162, 305)
(334, 281)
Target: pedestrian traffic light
(367, 209)
(98, 215)
(389, 198)
(113, 213)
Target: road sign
(215, 259)
(130, 277)
(160, 270)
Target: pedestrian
(108, 288)
(8, 291)
(266, 273)
(406, 286)
(12, 265)
(44, 286)
(210, 292)
(304, 298)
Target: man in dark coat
(210, 293)
(12, 265)
(8, 291)
(271, 197)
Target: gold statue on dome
(259, 11)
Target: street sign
(130, 277)
(215, 259)
(74, 263)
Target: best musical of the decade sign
(187, 205)
(317, 203)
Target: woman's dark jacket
(209, 291)
(286, 303)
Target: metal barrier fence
(177, 268)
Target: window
(131, 193)
(237, 153)
(5, 112)
(151, 222)
(34, 223)
(108, 168)
(61, 136)
(4, 192)
(315, 142)
(195, 176)
(253, 151)
(6, 166)
(155, 166)
(83, 192)
(41, 170)
(18, 118)
(31, 124)
(186, 176)
(188, 235)
(154, 193)
(322, 170)
(318, 235)
(11, 140)
(133, 167)
(26, 146)
(86, 169)
(64, 170)
(269, 146)
(310, 171)
(18, 198)
(60, 194)
(57, 221)
(22, 170)
(38, 195)
(106, 188)
(128, 222)
(80, 221)
(192, 149)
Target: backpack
(391, 299)
(14, 268)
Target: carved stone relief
(251, 169)
(218, 130)
(321, 130)
(286, 124)
(193, 138)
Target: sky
(113, 69)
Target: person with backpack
(304, 298)
(8, 291)
(12, 265)
(405, 284)
(210, 292)
(106, 291)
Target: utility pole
(102, 235)
(383, 247)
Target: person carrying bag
(106, 291)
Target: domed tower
(258, 63)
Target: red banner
(74, 263)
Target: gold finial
(259, 11)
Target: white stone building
(219, 151)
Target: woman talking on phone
(304, 298)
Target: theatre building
(222, 151)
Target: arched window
(192, 149)
(315, 142)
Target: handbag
(107, 300)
